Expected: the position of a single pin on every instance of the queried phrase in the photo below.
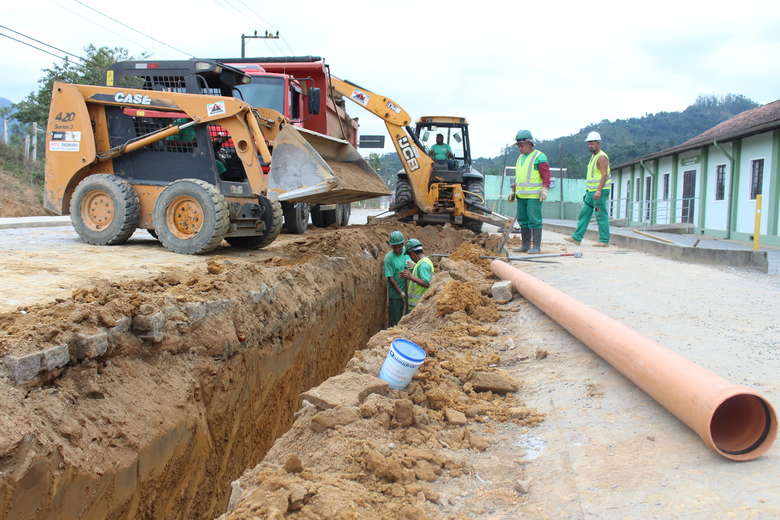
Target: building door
(689, 193)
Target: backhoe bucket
(310, 167)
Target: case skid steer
(429, 191)
(192, 169)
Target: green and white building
(709, 182)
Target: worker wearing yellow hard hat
(598, 187)
(532, 182)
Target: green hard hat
(396, 238)
(413, 243)
(524, 135)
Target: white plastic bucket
(401, 363)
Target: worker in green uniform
(394, 265)
(419, 279)
(532, 182)
(598, 186)
(441, 151)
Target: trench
(200, 438)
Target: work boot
(537, 242)
(572, 240)
(525, 234)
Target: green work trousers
(602, 216)
(395, 310)
(529, 213)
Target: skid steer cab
(192, 169)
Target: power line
(131, 28)
(266, 22)
(64, 58)
(43, 43)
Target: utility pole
(266, 36)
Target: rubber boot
(525, 234)
(537, 242)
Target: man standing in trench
(598, 184)
(532, 182)
(419, 279)
(394, 265)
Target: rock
(522, 487)
(55, 357)
(297, 497)
(426, 471)
(541, 354)
(22, 369)
(149, 327)
(214, 267)
(403, 412)
(455, 417)
(293, 464)
(235, 494)
(478, 442)
(432, 496)
(502, 291)
(90, 346)
(346, 389)
(498, 382)
(519, 412)
(383, 467)
(333, 417)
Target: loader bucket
(310, 167)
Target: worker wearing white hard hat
(599, 185)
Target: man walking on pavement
(599, 185)
(394, 265)
(419, 279)
(532, 182)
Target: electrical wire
(132, 29)
(64, 58)
(265, 22)
(42, 43)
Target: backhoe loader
(193, 169)
(429, 191)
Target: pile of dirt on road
(389, 454)
(19, 198)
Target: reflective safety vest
(528, 181)
(594, 174)
(415, 290)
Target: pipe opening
(743, 424)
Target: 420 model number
(65, 117)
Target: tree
(35, 108)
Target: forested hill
(624, 139)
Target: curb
(34, 224)
(758, 260)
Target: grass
(12, 162)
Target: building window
(757, 178)
(720, 182)
(666, 185)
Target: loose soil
(18, 198)
(158, 430)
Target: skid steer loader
(193, 169)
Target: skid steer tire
(273, 218)
(104, 210)
(322, 218)
(296, 217)
(346, 212)
(404, 197)
(477, 188)
(191, 217)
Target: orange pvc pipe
(733, 420)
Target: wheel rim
(97, 210)
(184, 217)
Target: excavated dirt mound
(171, 386)
(388, 453)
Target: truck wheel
(273, 218)
(476, 189)
(191, 217)
(404, 198)
(346, 212)
(104, 210)
(322, 218)
(296, 217)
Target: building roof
(747, 123)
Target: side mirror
(314, 101)
(425, 136)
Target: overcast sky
(551, 67)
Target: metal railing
(646, 213)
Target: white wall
(664, 206)
(755, 147)
(716, 213)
